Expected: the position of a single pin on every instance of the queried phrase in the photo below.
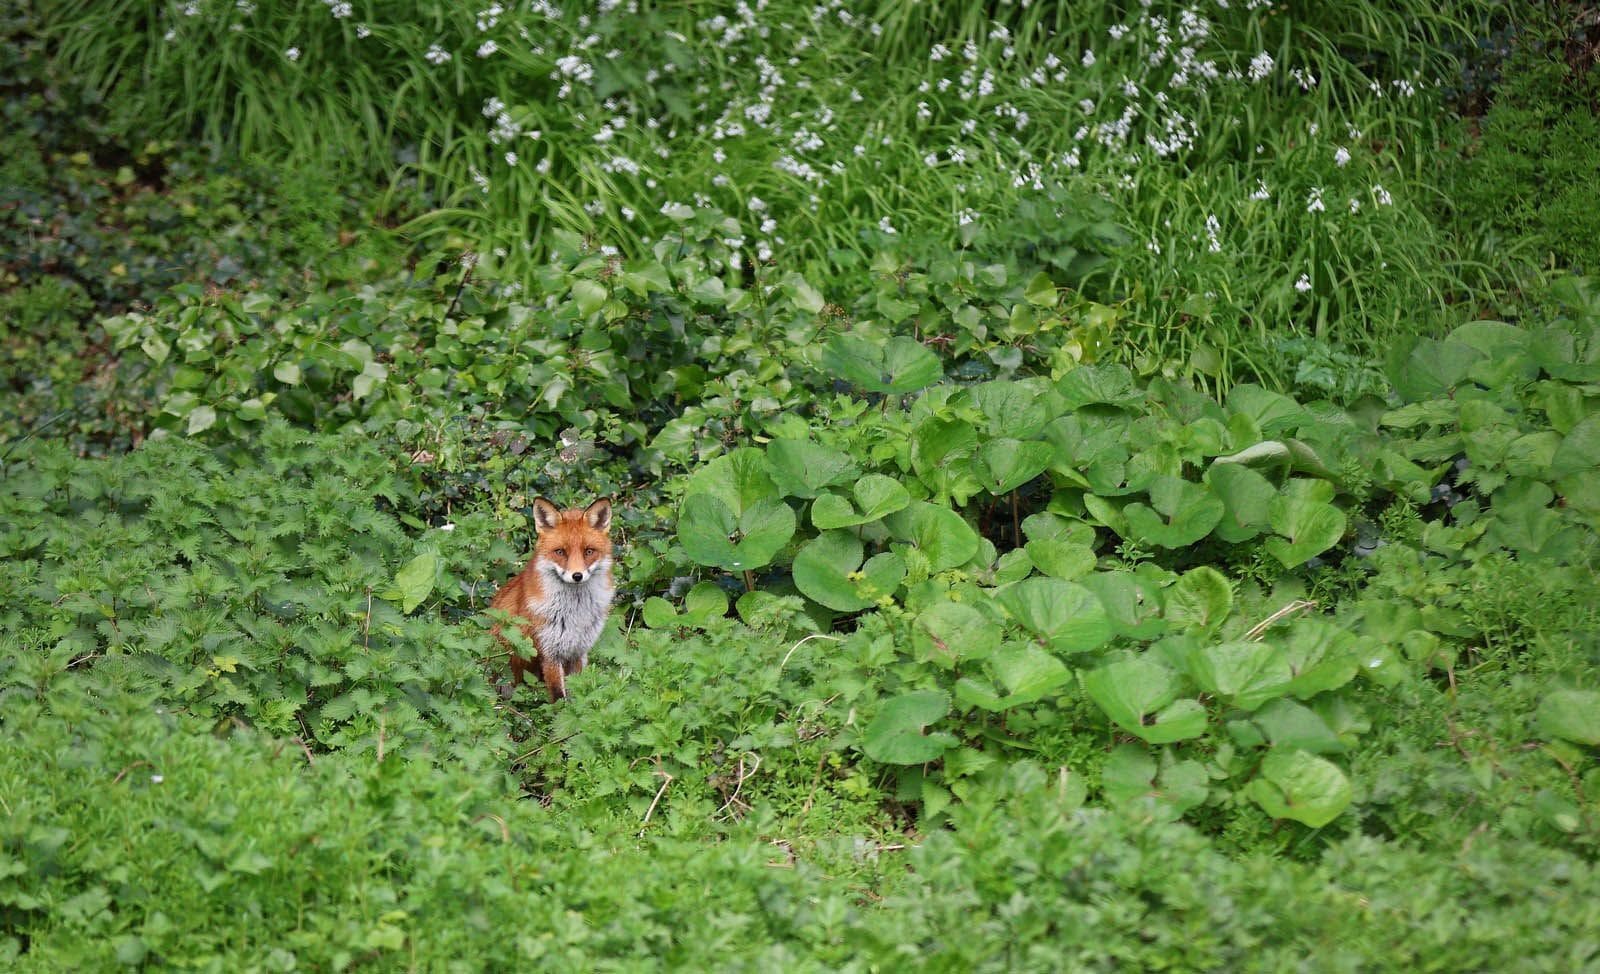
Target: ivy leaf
(898, 733)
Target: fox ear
(598, 514)
(545, 514)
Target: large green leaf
(1572, 715)
(1321, 656)
(1066, 615)
(738, 479)
(1139, 696)
(1179, 514)
(1028, 672)
(898, 733)
(876, 497)
(1061, 558)
(1246, 674)
(1579, 451)
(825, 571)
(713, 535)
(1004, 464)
(1246, 500)
(801, 468)
(1300, 786)
(1308, 525)
(1012, 408)
(1133, 604)
(948, 632)
(1131, 782)
(943, 537)
(1110, 385)
(1201, 598)
(894, 367)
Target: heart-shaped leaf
(1131, 781)
(1066, 615)
(1138, 695)
(712, 535)
(938, 532)
(894, 367)
(1300, 786)
(898, 733)
(1179, 514)
(801, 468)
(1202, 598)
(876, 497)
(1004, 464)
(1247, 674)
(948, 632)
(825, 571)
(1308, 525)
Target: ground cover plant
(1144, 535)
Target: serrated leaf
(415, 581)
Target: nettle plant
(1014, 547)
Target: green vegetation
(1159, 534)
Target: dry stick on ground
(1299, 605)
(738, 782)
(123, 773)
(652, 809)
(309, 759)
(815, 635)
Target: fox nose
(577, 576)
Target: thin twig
(1299, 605)
(505, 833)
(652, 809)
(739, 781)
(123, 773)
(525, 755)
(815, 635)
(309, 759)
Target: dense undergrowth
(1168, 574)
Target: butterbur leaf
(1308, 525)
(1579, 451)
(1138, 695)
(948, 632)
(1247, 674)
(1061, 558)
(1179, 514)
(415, 581)
(1572, 715)
(1012, 407)
(738, 479)
(1300, 786)
(1321, 656)
(898, 734)
(1272, 413)
(1004, 464)
(712, 535)
(938, 532)
(1246, 500)
(1028, 672)
(876, 497)
(1066, 615)
(1201, 598)
(1110, 385)
(825, 572)
(1287, 724)
(801, 468)
(895, 367)
(1133, 605)
(1130, 781)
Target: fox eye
(588, 552)
(561, 552)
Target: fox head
(573, 544)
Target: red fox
(564, 593)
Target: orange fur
(562, 595)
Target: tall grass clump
(1285, 153)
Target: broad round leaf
(1201, 598)
(1066, 615)
(948, 632)
(801, 468)
(938, 532)
(823, 570)
(1002, 465)
(1572, 715)
(897, 735)
(1179, 514)
(1301, 786)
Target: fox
(563, 595)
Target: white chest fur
(573, 614)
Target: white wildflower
(436, 54)
(292, 54)
(487, 48)
(1341, 157)
(1382, 195)
(1314, 201)
(886, 226)
(1260, 66)
(511, 158)
(1303, 285)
